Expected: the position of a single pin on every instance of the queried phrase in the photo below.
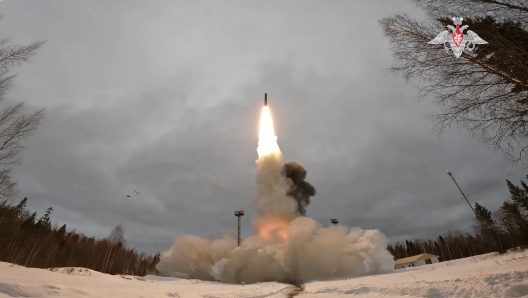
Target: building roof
(414, 258)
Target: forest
(34, 242)
(499, 231)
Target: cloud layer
(164, 99)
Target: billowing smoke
(287, 245)
(301, 190)
(310, 251)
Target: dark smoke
(301, 190)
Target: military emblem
(457, 41)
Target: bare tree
(515, 10)
(485, 93)
(116, 239)
(15, 125)
(117, 235)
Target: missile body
(265, 99)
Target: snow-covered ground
(480, 276)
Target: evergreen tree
(392, 250)
(439, 248)
(62, 230)
(413, 248)
(518, 195)
(514, 212)
(483, 214)
(506, 228)
(45, 220)
(484, 92)
(408, 248)
(488, 224)
(515, 223)
(29, 222)
(20, 207)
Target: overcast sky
(164, 97)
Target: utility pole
(470, 206)
(239, 214)
(334, 221)
(472, 209)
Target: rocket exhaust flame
(271, 226)
(267, 143)
(287, 245)
(273, 229)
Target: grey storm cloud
(164, 98)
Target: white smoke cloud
(288, 246)
(312, 252)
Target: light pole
(451, 175)
(334, 221)
(472, 209)
(239, 214)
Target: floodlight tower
(334, 221)
(451, 175)
(497, 238)
(239, 214)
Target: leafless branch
(487, 99)
(500, 9)
(15, 125)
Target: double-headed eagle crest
(458, 41)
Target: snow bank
(481, 276)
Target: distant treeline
(28, 241)
(504, 229)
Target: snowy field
(481, 276)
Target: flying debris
(265, 99)
(136, 192)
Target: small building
(415, 261)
